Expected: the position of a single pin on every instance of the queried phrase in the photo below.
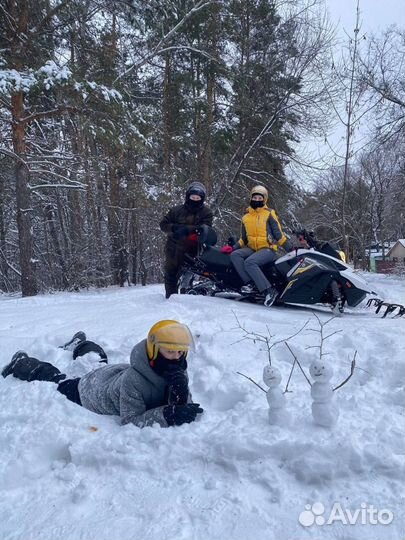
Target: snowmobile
(313, 275)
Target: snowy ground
(68, 473)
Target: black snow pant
(173, 263)
(175, 256)
(31, 369)
(171, 277)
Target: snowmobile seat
(216, 260)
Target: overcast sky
(375, 15)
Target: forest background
(109, 109)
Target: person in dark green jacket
(180, 224)
(152, 389)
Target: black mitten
(180, 231)
(176, 415)
(178, 384)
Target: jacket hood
(197, 188)
(140, 362)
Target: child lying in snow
(152, 388)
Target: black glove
(179, 386)
(180, 231)
(177, 380)
(176, 415)
(232, 241)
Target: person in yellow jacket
(261, 236)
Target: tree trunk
(349, 133)
(23, 199)
(143, 271)
(206, 165)
(3, 250)
(19, 12)
(50, 217)
(167, 99)
(114, 223)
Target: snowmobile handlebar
(206, 235)
(308, 236)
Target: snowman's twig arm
(290, 337)
(253, 336)
(290, 375)
(299, 364)
(351, 372)
(321, 324)
(251, 380)
(332, 334)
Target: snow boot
(249, 288)
(85, 347)
(70, 389)
(8, 370)
(271, 295)
(74, 342)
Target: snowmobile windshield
(207, 235)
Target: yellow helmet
(260, 190)
(169, 334)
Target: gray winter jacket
(134, 392)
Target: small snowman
(324, 411)
(275, 397)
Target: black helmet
(196, 188)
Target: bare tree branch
(157, 49)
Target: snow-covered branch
(201, 4)
(48, 114)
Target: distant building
(391, 260)
(376, 253)
(397, 252)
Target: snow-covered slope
(68, 473)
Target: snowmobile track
(390, 308)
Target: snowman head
(320, 371)
(271, 376)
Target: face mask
(194, 205)
(163, 366)
(256, 204)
